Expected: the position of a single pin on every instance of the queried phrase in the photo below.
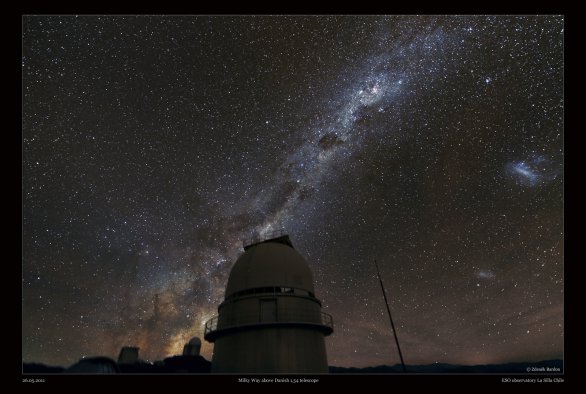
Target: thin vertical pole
(390, 317)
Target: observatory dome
(270, 264)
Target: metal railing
(283, 317)
(327, 320)
(211, 325)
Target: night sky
(153, 145)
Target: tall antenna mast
(390, 317)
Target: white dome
(269, 264)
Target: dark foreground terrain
(547, 366)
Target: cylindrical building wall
(270, 320)
(271, 350)
(268, 308)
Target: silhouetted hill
(141, 368)
(40, 368)
(191, 364)
(187, 364)
(546, 366)
(99, 365)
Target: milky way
(152, 146)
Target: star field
(152, 146)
